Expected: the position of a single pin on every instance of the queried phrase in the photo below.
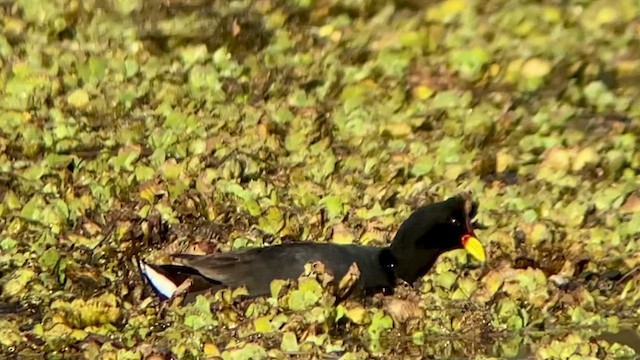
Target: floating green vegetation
(133, 129)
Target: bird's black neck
(408, 265)
(389, 263)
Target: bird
(429, 231)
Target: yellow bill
(474, 247)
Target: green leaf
(334, 206)
(171, 170)
(195, 322)
(530, 216)
(418, 337)
(341, 311)
(252, 207)
(8, 244)
(469, 62)
(57, 161)
(250, 351)
(276, 285)
(197, 146)
(199, 314)
(126, 158)
(289, 342)
(515, 323)
(329, 165)
(379, 323)
(450, 99)
(446, 279)
(61, 207)
(144, 173)
(79, 99)
(422, 165)
(263, 324)
(272, 222)
(167, 213)
(96, 311)
(49, 258)
(11, 200)
(131, 68)
(307, 294)
(34, 172)
(18, 281)
(32, 210)
(202, 305)
(193, 54)
(310, 285)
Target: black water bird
(427, 233)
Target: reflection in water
(626, 336)
(517, 346)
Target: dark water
(626, 336)
(520, 346)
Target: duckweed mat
(133, 129)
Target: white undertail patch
(160, 283)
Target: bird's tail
(165, 279)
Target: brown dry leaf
(235, 28)
(632, 260)
(200, 248)
(319, 267)
(577, 297)
(342, 234)
(323, 273)
(491, 283)
(568, 269)
(632, 204)
(211, 351)
(357, 314)
(173, 247)
(155, 357)
(467, 196)
(402, 310)
(348, 280)
(91, 227)
(375, 225)
(181, 290)
(150, 189)
(401, 159)
(177, 298)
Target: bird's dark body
(255, 268)
(427, 233)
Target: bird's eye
(455, 221)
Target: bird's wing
(225, 268)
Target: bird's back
(257, 267)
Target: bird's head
(432, 230)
